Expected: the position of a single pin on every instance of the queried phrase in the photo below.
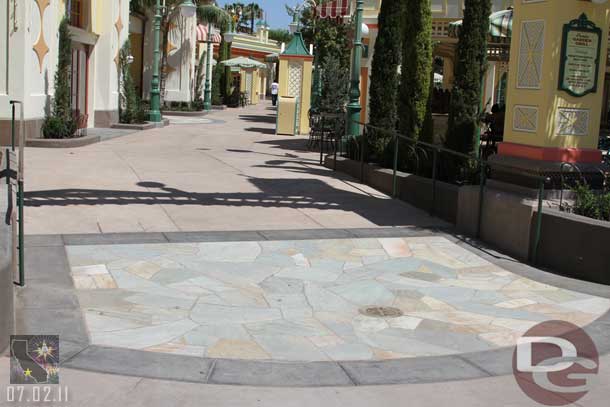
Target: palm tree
(253, 11)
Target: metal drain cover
(381, 312)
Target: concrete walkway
(94, 218)
(101, 390)
(229, 173)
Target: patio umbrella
(500, 25)
(243, 62)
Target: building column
(448, 67)
(552, 119)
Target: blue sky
(276, 12)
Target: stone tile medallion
(302, 300)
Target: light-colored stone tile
(404, 322)
(521, 302)
(104, 281)
(363, 323)
(142, 338)
(395, 247)
(95, 269)
(217, 314)
(237, 349)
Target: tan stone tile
(506, 338)
(395, 247)
(575, 317)
(367, 252)
(177, 349)
(381, 354)
(516, 303)
(84, 282)
(104, 281)
(527, 284)
(408, 305)
(436, 305)
(237, 349)
(144, 269)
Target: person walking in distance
(275, 87)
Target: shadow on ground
(300, 193)
(259, 130)
(270, 118)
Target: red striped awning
(202, 35)
(333, 9)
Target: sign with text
(580, 53)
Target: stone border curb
(63, 143)
(46, 253)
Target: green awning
(500, 25)
(243, 62)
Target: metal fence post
(538, 223)
(362, 148)
(395, 168)
(483, 175)
(13, 126)
(434, 165)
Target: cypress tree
(62, 106)
(384, 72)
(416, 66)
(470, 67)
(59, 122)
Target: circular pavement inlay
(381, 312)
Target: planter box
(575, 246)
(410, 188)
(133, 126)
(184, 113)
(140, 126)
(63, 142)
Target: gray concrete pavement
(232, 173)
(96, 389)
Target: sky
(276, 12)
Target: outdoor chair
(327, 132)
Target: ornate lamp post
(353, 107)
(187, 9)
(207, 98)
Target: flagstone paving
(306, 300)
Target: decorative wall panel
(572, 122)
(295, 84)
(40, 47)
(525, 118)
(531, 48)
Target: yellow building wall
(547, 98)
(306, 96)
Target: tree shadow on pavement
(263, 130)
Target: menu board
(580, 53)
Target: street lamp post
(187, 9)
(155, 91)
(207, 98)
(353, 107)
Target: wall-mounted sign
(580, 51)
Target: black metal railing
(444, 166)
